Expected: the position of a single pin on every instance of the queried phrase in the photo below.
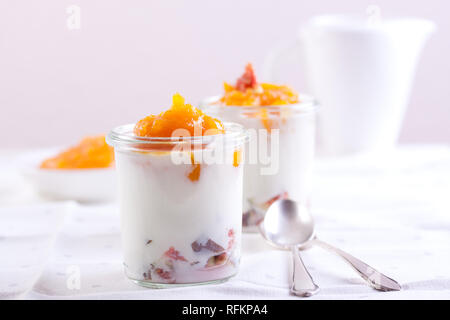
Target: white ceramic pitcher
(361, 72)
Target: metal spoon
(280, 227)
(374, 278)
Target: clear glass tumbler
(280, 154)
(181, 204)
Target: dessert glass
(290, 154)
(180, 222)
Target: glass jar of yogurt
(180, 203)
(280, 153)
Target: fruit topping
(91, 152)
(237, 158)
(179, 116)
(247, 80)
(194, 174)
(248, 92)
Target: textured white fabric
(393, 212)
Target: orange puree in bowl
(179, 116)
(91, 152)
(248, 92)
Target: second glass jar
(180, 220)
(280, 153)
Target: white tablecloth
(393, 212)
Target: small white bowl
(84, 185)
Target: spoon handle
(302, 283)
(375, 279)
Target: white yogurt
(296, 144)
(176, 230)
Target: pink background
(129, 57)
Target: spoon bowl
(287, 224)
(285, 227)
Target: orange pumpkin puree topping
(248, 92)
(179, 116)
(91, 152)
(194, 175)
(182, 116)
(237, 158)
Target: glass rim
(306, 104)
(123, 136)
